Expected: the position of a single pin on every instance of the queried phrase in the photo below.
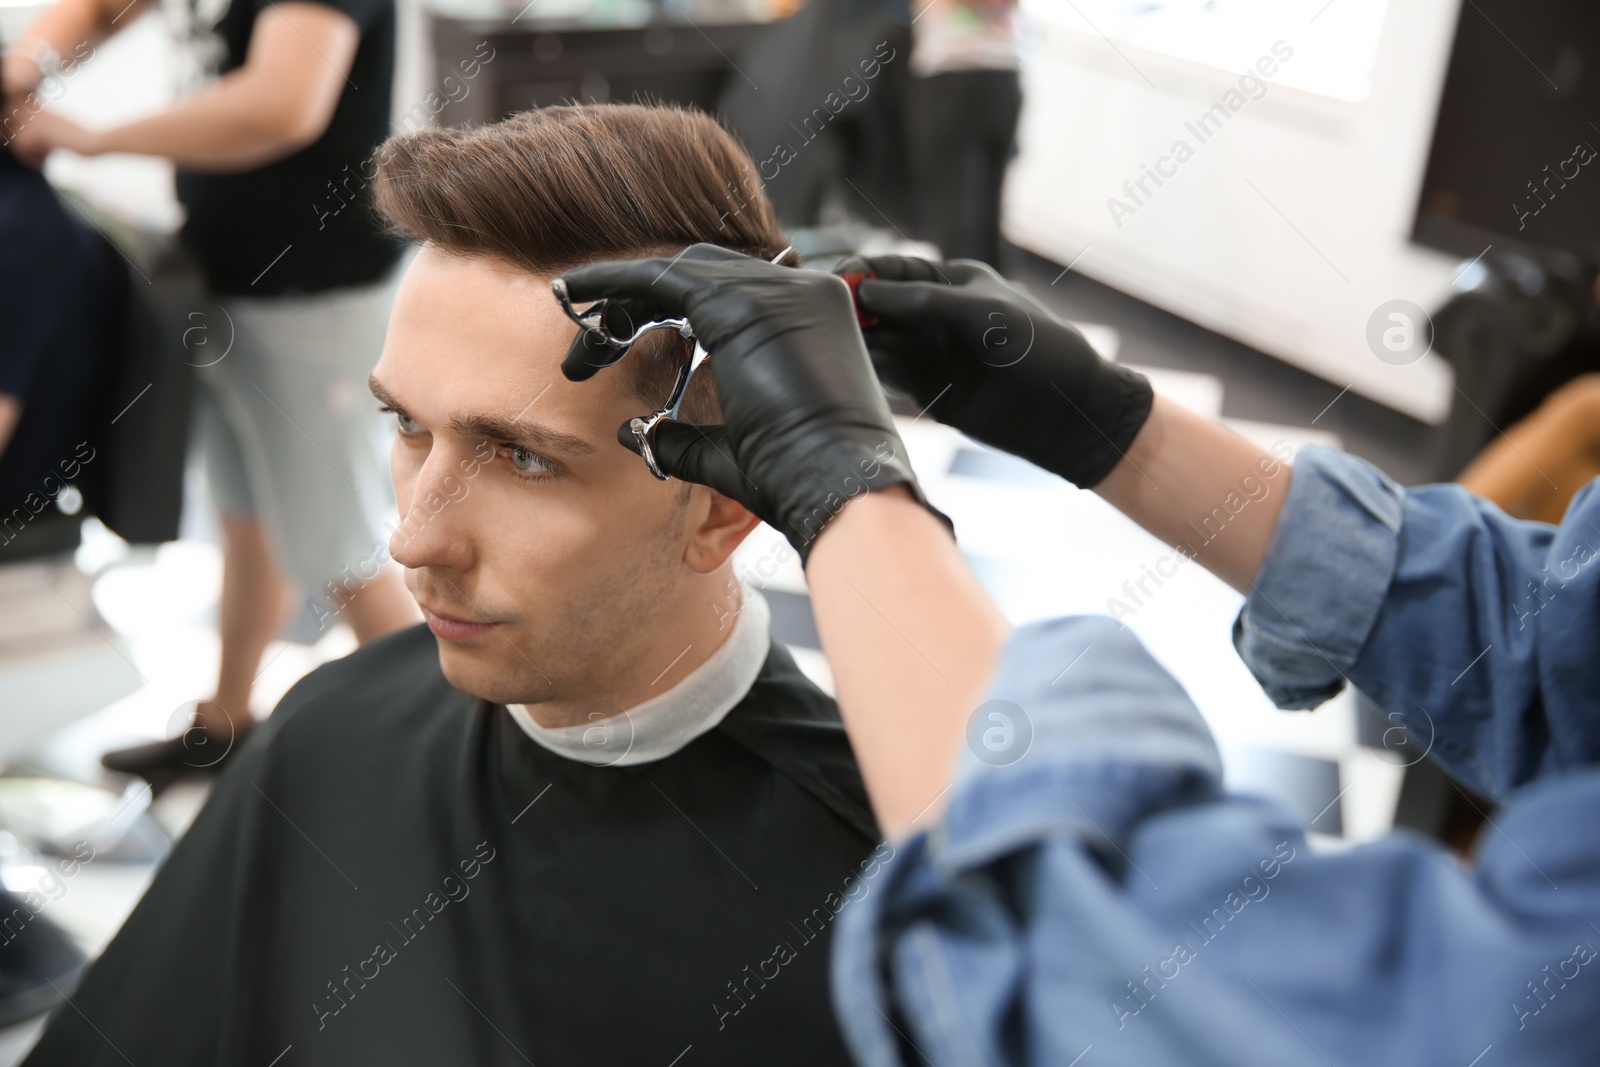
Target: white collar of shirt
(667, 722)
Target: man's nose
(433, 532)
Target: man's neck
(707, 612)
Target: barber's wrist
(1121, 401)
(833, 465)
(1126, 486)
(901, 491)
(95, 142)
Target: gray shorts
(290, 433)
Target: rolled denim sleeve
(1324, 580)
(1132, 744)
(1091, 897)
(1472, 630)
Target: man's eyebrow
(498, 427)
(384, 397)
(518, 433)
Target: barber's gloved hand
(996, 365)
(807, 425)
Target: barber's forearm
(279, 101)
(234, 126)
(1195, 483)
(912, 639)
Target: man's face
(523, 517)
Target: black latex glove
(807, 427)
(990, 361)
(589, 355)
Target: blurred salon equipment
(40, 966)
(1513, 145)
(1522, 319)
(829, 150)
(121, 462)
(1518, 327)
(52, 834)
(129, 472)
(553, 54)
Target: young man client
(590, 814)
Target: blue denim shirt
(1101, 900)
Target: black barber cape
(392, 873)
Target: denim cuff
(1082, 733)
(1324, 580)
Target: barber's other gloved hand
(807, 427)
(997, 366)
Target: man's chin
(487, 675)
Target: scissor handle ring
(643, 431)
(594, 319)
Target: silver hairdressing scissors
(593, 320)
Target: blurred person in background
(963, 102)
(61, 289)
(282, 102)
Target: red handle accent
(854, 278)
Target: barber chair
(1519, 326)
(138, 422)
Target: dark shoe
(161, 763)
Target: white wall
(1208, 246)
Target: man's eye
(529, 462)
(406, 423)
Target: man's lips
(451, 628)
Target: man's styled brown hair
(557, 187)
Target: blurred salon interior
(1361, 225)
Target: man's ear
(727, 523)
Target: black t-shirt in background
(304, 223)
